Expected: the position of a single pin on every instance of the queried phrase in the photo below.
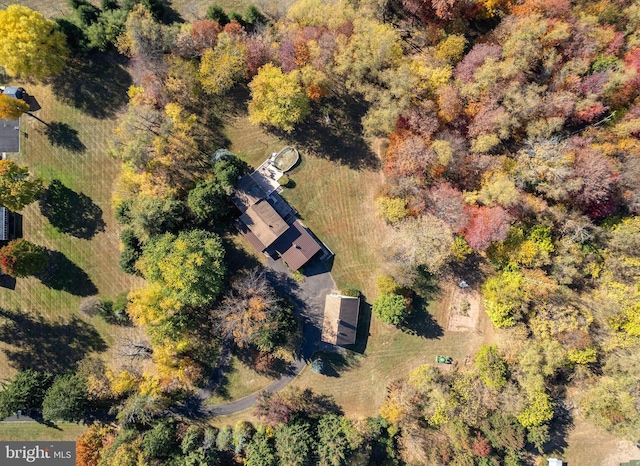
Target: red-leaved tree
(487, 224)
(205, 34)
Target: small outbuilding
(554, 462)
(340, 319)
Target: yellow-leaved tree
(30, 44)
(223, 66)
(12, 109)
(277, 99)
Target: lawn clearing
(590, 446)
(33, 431)
(359, 387)
(240, 380)
(336, 202)
(85, 238)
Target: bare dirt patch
(461, 308)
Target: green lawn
(240, 381)
(85, 238)
(336, 202)
(189, 10)
(32, 431)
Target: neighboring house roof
(296, 246)
(264, 222)
(4, 224)
(340, 319)
(10, 129)
(9, 135)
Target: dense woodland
(512, 157)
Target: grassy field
(32, 431)
(335, 200)
(240, 381)
(189, 10)
(590, 446)
(68, 145)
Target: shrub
(317, 366)
(298, 276)
(90, 306)
(121, 302)
(387, 285)
(216, 13)
(87, 14)
(353, 292)
(284, 180)
(122, 212)
(460, 249)
(390, 308)
(264, 362)
(493, 369)
(131, 251)
(391, 209)
(66, 400)
(235, 16)
(114, 312)
(21, 258)
(252, 15)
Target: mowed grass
(590, 446)
(360, 386)
(240, 381)
(92, 262)
(189, 10)
(337, 203)
(33, 431)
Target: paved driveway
(309, 300)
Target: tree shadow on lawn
(71, 212)
(96, 84)
(335, 132)
(63, 135)
(420, 322)
(248, 356)
(336, 363)
(64, 275)
(46, 345)
(236, 258)
(563, 420)
(222, 390)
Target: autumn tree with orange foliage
(252, 313)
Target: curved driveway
(309, 298)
